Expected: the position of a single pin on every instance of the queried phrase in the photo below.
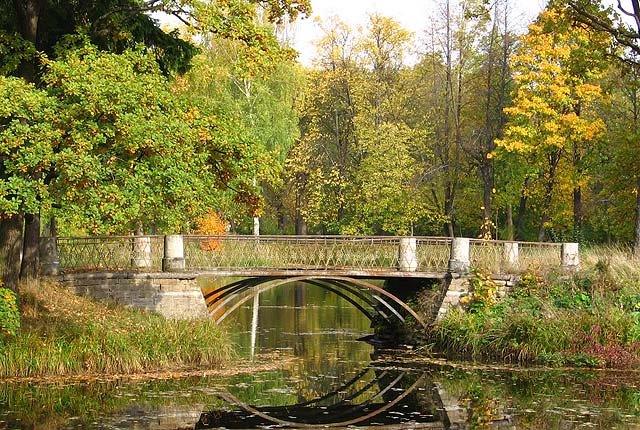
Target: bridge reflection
(371, 300)
(375, 396)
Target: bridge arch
(338, 408)
(371, 300)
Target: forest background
(112, 124)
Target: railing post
(49, 257)
(511, 253)
(141, 252)
(173, 260)
(570, 256)
(407, 261)
(460, 259)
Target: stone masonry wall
(172, 295)
(459, 287)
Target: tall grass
(591, 318)
(63, 334)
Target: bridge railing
(309, 253)
(501, 257)
(348, 253)
(112, 253)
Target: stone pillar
(49, 257)
(173, 260)
(460, 259)
(256, 226)
(511, 253)
(407, 260)
(570, 256)
(141, 252)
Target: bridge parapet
(340, 254)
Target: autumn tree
(551, 123)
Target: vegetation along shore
(589, 319)
(63, 334)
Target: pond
(325, 377)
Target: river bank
(62, 334)
(589, 319)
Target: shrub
(483, 291)
(211, 224)
(9, 313)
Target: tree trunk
(29, 269)
(449, 229)
(522, 209)
(487, 191)
(636, 242)
(510, 232)
(11, 250)
(301, 226)
(578, 214)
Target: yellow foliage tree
(211, 224)
(552, 124)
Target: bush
(483, 291)
(9, 313)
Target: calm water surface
(327, 378)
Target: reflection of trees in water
(553, 399)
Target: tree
(626, 32)
(261, 99)
(556, 70)
(32, 28)
(605, 19)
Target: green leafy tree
(33, 28)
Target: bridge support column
(570, 256)
(141, 252)
(460, 259)
(407, 261)
(49, 257)
(173, 260)
(511, 254)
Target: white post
(141, 252)
(254, 324)
(407, 260)
(256, 226)
(460, 260)
(173, 260)
(570, 256)
(511, 253)
(49, 258)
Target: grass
(63, 334)
(590, 319)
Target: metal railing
(492, 255)
(292, 252)
(112, 253)
(243, 253)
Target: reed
(63, 334)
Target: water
(325, 377)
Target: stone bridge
(377, 275)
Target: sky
(413, 15)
